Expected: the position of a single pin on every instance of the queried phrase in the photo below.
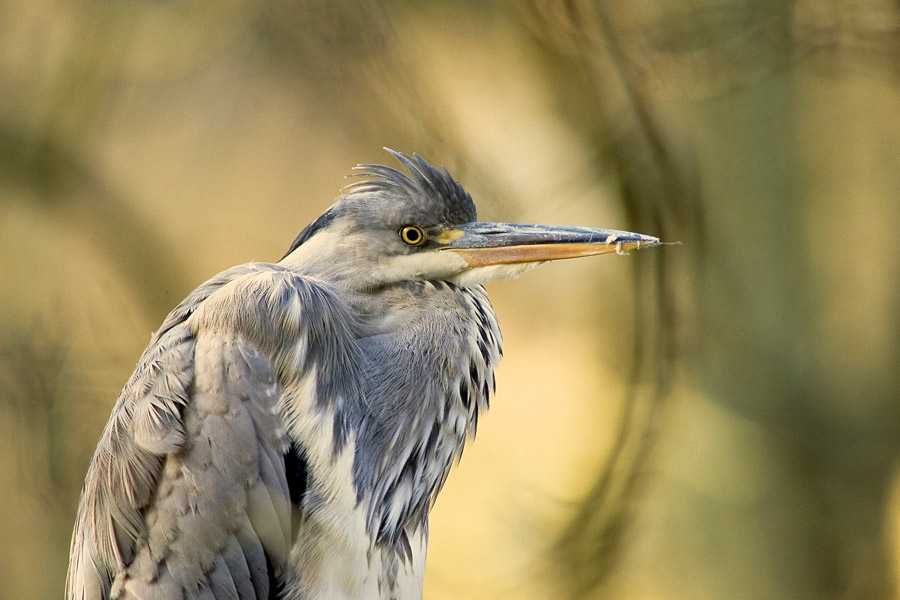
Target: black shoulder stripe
(297, 470)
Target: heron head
(391, 226)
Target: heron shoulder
(213, 371)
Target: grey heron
(288, 428)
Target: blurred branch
(362, 61)
(48, 155)
(61, 183)
(33, 375)
(655, 193)
(633, 59)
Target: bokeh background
(717, 419)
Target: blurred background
(716, 419)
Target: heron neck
(443, 342)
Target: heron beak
(485, 244)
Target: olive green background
(715, 419)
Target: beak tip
(626, 242)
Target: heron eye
(412, 235)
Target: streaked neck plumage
(426, 350)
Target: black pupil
(412, 235)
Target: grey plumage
(289, 426)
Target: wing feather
(187, 494)
(274, 492)
(221, 581)
(255, 557)
(237, 568)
